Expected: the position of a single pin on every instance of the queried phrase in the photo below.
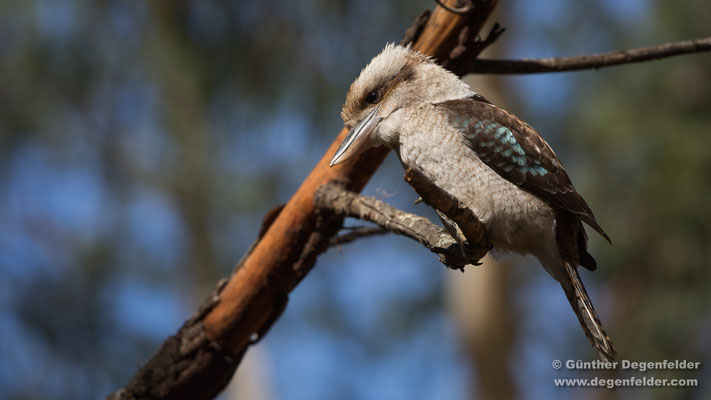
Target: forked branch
(455, 249)
(336, 198)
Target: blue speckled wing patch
(517, 153)
(495, 143)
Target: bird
(483, 155)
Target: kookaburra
(484, 156)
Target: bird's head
(396, 78)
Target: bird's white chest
(517, 220)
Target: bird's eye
(373, 97)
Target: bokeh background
(142, 142)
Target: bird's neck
(442, 85)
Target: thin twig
(590, 61)
(494, 33)
(355, 233)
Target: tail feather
(587, 316)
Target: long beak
(357, 138)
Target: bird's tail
(587, 316)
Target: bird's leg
(458, 220)
(456, 232)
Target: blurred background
(142, 142)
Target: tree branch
(591, 61)
(335, 197)
(455, 249)
(198, 361)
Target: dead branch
(336, 198)
(590, 61)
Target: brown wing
(515, 151)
